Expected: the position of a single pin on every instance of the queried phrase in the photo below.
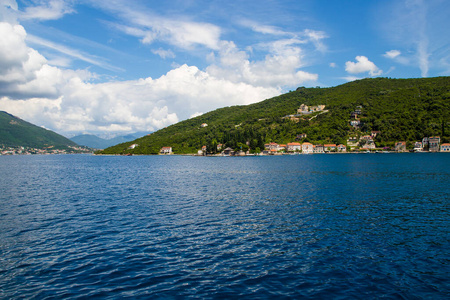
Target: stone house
(400, 146)
(318, 149)
(300, 136)
(433, 143)
(303, 109)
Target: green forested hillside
(15, 132)
(400, 109)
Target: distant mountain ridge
(96, 142)
(15, 132)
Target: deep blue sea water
(363, 226)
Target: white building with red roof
(307, 148)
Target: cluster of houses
(365, 142)
(431, 144)
(354, 117)
(277, 149)
(305, 148)
(19, 150)
(305, 109)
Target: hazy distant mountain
(16, 132)
(96, 142)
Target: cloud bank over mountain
(132, 66)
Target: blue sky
(116, 67)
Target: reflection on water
(316, 226)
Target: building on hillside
(370, 144)
(303, 109)
(219, 147)
(317, 108)
(300, 136)
(307, 148)
(293, 118)
(203, 125)
(400, 146)
(292, 147)
(166, 150)
(133, 146)
(352, 142)
(433, 143)
(375, 133)
(355, 123)
(329, 147)
(342, 148)
(366, 142)
(445, 147)
(318, 149)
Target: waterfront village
(428, 144)
(47, 150)
(355, 144)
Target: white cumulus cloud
(279, 68)
(66, 101)
(362, 65)
(392, 54)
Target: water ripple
(328, 226)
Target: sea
(325, 226)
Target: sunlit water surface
(307, 226)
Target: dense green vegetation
(16, 132)
(401, 109)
